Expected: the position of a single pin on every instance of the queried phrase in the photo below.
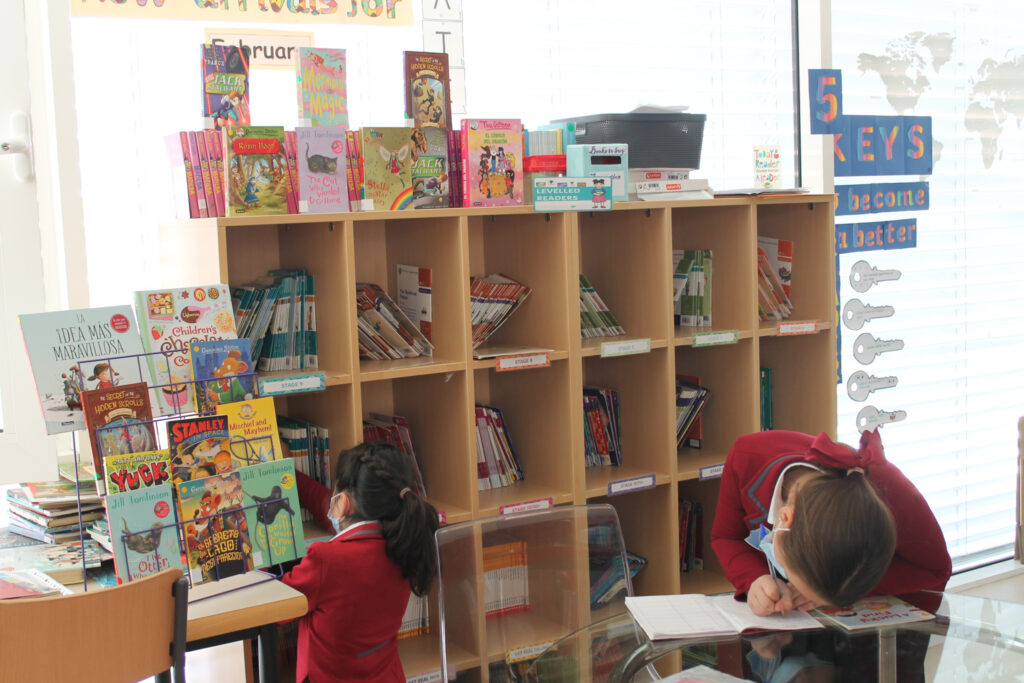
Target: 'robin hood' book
(275, 523)
(142, 532)
(215, 530)
(256, 170)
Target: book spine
(204, 167)
(190, 177)
(464, 163)
(215, 145)
(292, 176)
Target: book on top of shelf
(275, 524)
(119, 421)
(388, 155)
(323, 100)
(431, 169)
(492, 162)
(170, 320)
(52, 495)
(253, 429)
(872, 612)
(415, 289)
(223, 372)
(135, 471)
(214, 527)
(322, 169)
(142, 532)
(225, 71)
(29, 583)
(76, 350)
(428, 100)
(255, 175)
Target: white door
(25, 450)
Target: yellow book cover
(253, 429)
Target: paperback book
(321, 79)
(388, 157)
(29, 583)
(119, 421)
(384, 330)
(253, 429)
(395, 430)
(415, 289)
(492, 162)
(427, 89)
(256, 171)
(225, 86)
(309, 448)
(62, 561)
(492, 300)
(222, 372)
(143, 535)
(275, 523)
(692, 286)
(215, 530)
(198, 447)
(136, 471)
(322, 169)
(430, 169)
(872, 612)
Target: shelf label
(425, 677)
(523, 361)
(710, 471)
(520, 654)
(716, 338)
(644, 481)
(275, 386)
(802, 327)
(528, 506)
(626, 347)
(441, 517)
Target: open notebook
(664, 617)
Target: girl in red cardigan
(358, 583)
(844, 524)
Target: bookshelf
(627, 255)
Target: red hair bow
(842, 457)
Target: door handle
(19, 146)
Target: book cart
(627, 255)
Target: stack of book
(100, 532)
(61, 561)
(691, 535)
(506, 578)
(384, 331)
(607, 578)
(416, 620)
(290, 341)
(596, 320)
(29, 583)
(394, 429)
(601, 427)
(496, 461)
(691, 281)
(492, 299)
(767, 417)
(774, 273)
(309, 446)
(691, 397)
(48, 511)
(254, 305)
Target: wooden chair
(124, 633)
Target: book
(62, 561)
(29, 583)
(665, 617)
(322, 169)
(222, 372)
(198, 447)
(225, 70)
(596, 319)
(142, 531)
(384, 330)
(75, 350)
(48, 495)
(215, 530)
(388, 155)
(493, 299)
(692, 287)
(415, 288)
(428, 100)
(430, 169)
(693, 436)
(872, 612)
(253, 429)
(492, 162)
(136, 470)
(192, 156)
(119, 421)
(321, 84)
(779, 253)
(170, 320)
(395, 430)
(272, 512)
(255, 171)
(506, 578)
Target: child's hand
(801, 601)
(766, 597)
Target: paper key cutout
(866, 347)
(871, 417)
(856, 313)
(861, 384)
(863, 276)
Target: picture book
(223, 372)
(61, 561)
(215, 530)
(253, 429)
(322, 169)
(29, 583)
(47, 495)
(119, 421)
(415, 287)
(225, 86)
(430, 170)
(142, 532)
(665, 617)
(256, 170)
(136, 470)
(872, 612)
(170, 321)
(492, 162)
(388, 157)
(780, 257)
(72, 351)
(322, 97)
(275, 523)
(198, 447)
(428, 100)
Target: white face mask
(335, 521)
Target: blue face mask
(767, 546)
(335, 522)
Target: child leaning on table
(358, 583)
(844, 524)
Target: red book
(204, 167)
(119, 420)
(214, 141)
(190, 179)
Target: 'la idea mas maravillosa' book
(143, 542)
(322, 169)
(223, 372)
(215, 530)
(322, 97)
(253, 428)
(388, 157)
(225, 86)
(492, 162)
(275, 524)
(119, 421)
(198, 447)
(73, 351)
(428, 100)
(256, 171)
(170, 321)
(872, 612)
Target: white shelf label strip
(644, 481)
(524, 361)
(528, 506)
(710, 471)
(527, 652)
(625, 347)
(425, 677)
(802, 327)
(716, 338)
(292, 385)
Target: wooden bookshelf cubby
(626, 254)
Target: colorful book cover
(181, 156)
(253, 429)
(170, 321)
(142, 533)
(255, 179)
(62, 561)
(135, 471)
(322, 169)
(872, 612)
(73, 351)
(430, 170)
(275, 521)
(492, 162)
(388, 157)
(119, 421)
(322, 97)
(215, 530)
(225, 86)
(428, 99)
(198, 447)
(223, 372)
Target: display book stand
(626, 253)
(252, 448)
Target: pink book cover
(293, 169)
(323, 100)
(204, 166)
(197, 173)
(323, 186)
(182, 154)
(213, 143)
(492, 162)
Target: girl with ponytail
(835, 524)
(358, 583)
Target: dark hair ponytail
(379, 478)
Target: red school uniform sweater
(752, 468)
